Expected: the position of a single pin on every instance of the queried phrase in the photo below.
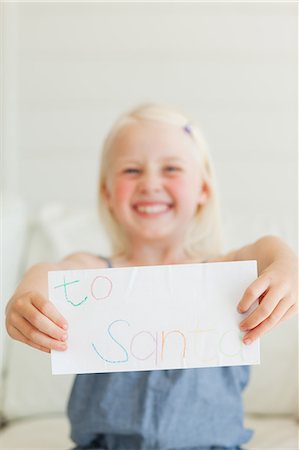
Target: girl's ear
(204, 193)
(105, 193)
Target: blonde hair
(204, 238)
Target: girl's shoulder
(231, 256)
(84, 260)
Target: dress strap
(108, 260)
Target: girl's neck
(153, 254)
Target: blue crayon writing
(109, 332)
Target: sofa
(33, 402)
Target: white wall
(71, 68)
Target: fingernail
(65, 326)
(243, 327)
(61, 345)
(64, 337)
(247, 341)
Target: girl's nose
(150, 183)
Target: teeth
(153, 209)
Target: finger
(48, 309)
(253, 292)
(292, 311)
(43, 323)
(20, 337)
(35, 336)
(271, 321)
(263, 310)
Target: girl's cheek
(178, 186)
(122, 191)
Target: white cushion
(273, 387)
(44, 433)
(60, 230)
(15, 230)
(272, 433)
(30, 387)
(37, 433)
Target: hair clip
(188, 129)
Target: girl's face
(154, 185)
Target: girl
(158, 201)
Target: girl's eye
(172, 169)
(131, 170)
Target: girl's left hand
(276, 290)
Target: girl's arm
(31, 317)
(276, 287)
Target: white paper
(152, 317)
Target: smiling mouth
(152, 209)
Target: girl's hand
(276, 290)
(34, 320)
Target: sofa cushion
(15, 237)
(30, 387)
(276, 432)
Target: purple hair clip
(188, 129)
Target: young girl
(158, 201)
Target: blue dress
(186, 409)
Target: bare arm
(30, 316)
(265, 250)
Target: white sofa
(33, 402)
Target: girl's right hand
(34, 320)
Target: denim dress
(186, 409)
